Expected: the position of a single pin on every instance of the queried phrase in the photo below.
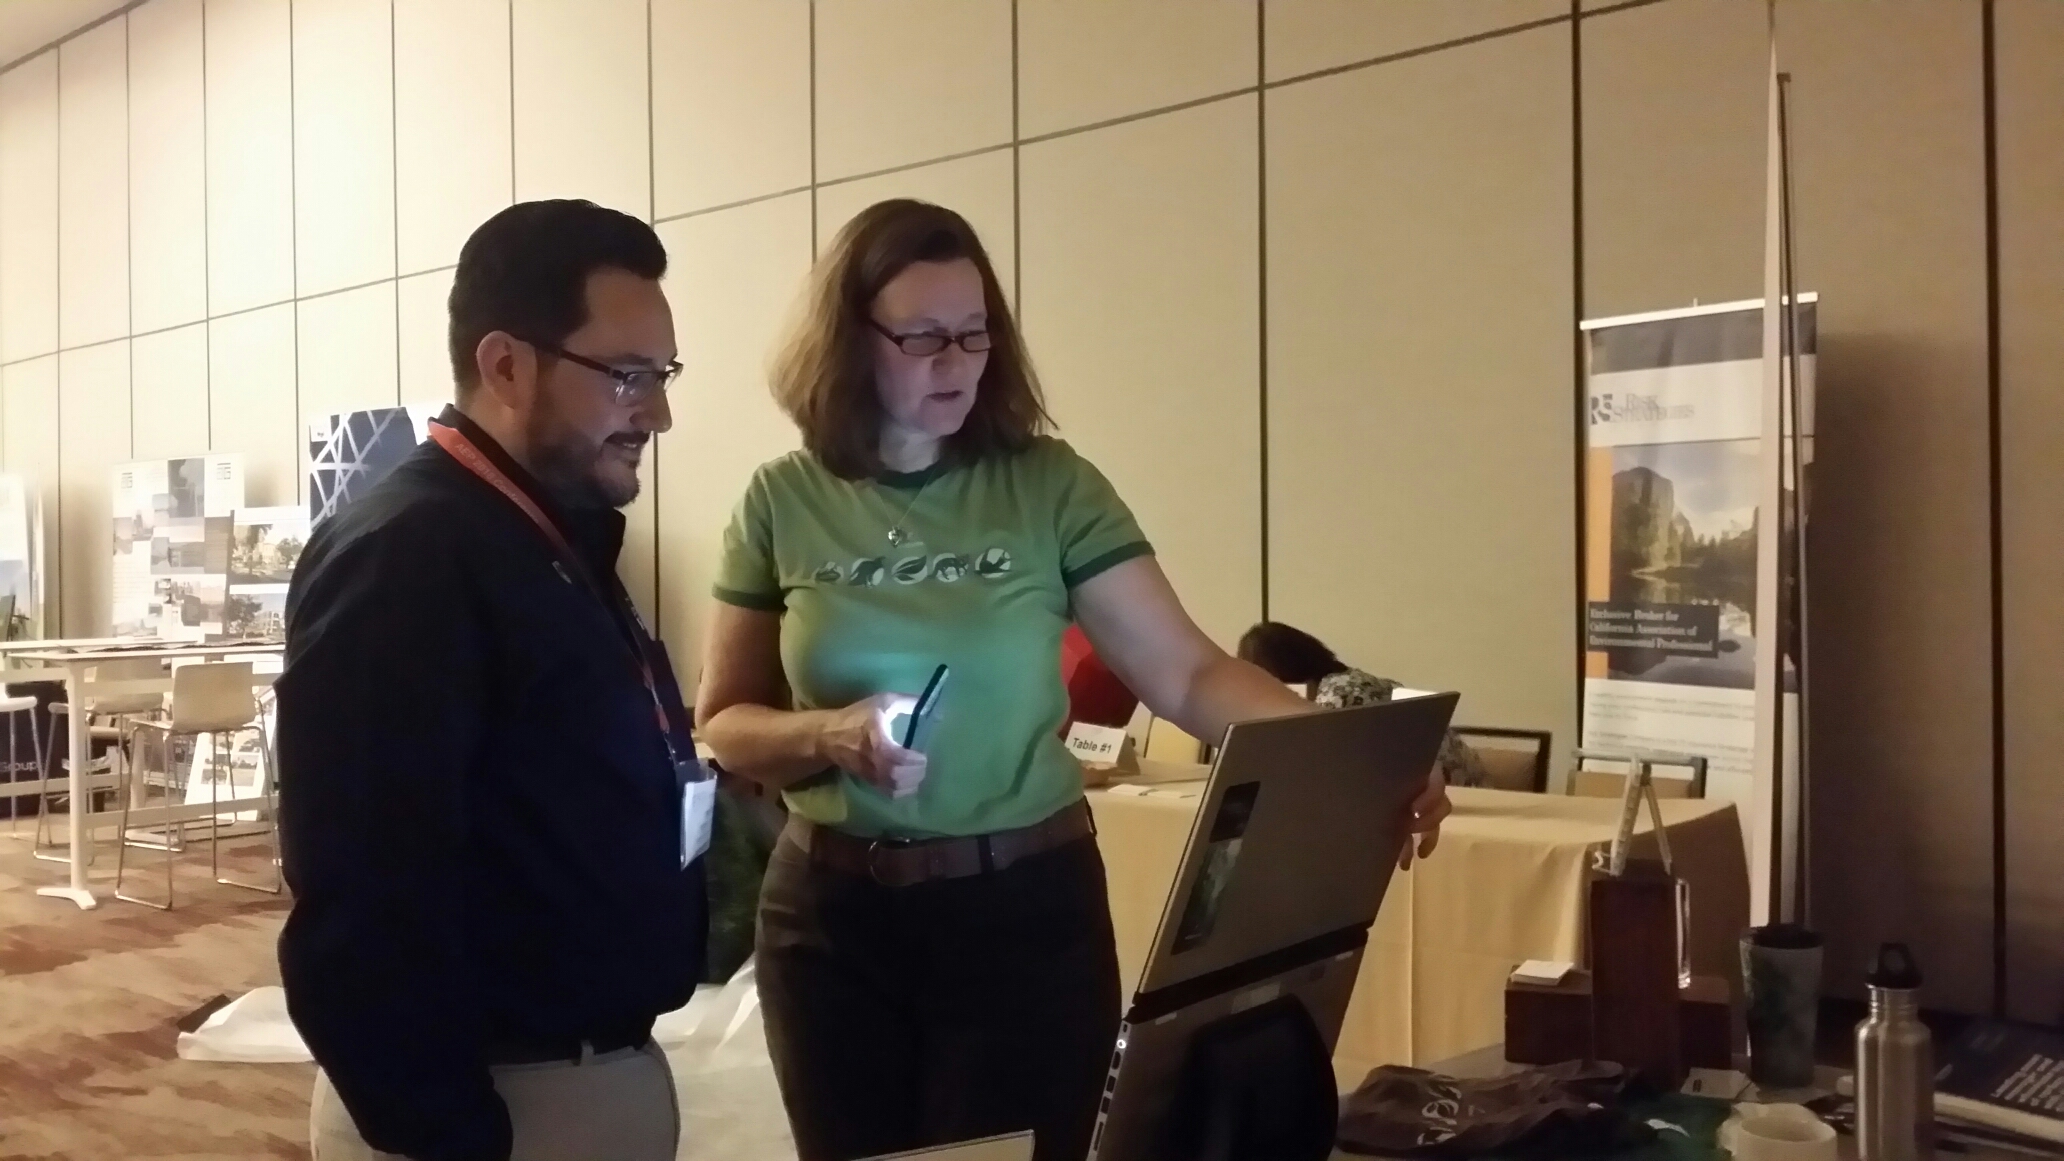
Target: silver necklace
(896, 534)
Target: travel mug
(1781, 972)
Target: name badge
(698, 810)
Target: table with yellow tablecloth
(1507, 885)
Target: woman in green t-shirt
(935, 953)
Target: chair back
(1514, 759)
(128, 669)
(1613, 783)
(212, 698)
(1166, 742)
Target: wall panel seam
(74, 34)
(1261, 285)
(393, 184)
(1579, 389)
(1996, 533)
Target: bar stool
(12, 708)
(213, 699)
(106, 719)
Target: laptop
(1296, 837)
(1016, 1147)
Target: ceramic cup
(1777, 1133)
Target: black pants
(905, 1017)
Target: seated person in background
(1295, 657)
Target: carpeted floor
(89, 1005)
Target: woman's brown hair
(824, 374)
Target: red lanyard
(455, 443)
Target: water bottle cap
(1894, 969)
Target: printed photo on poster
(172, 539)
(1682, 593)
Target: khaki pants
(619, 1106)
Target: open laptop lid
(1016, 1147)
(1297, 834)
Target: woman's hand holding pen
(858, 740)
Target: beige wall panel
(168, 167)
(1307, 35)
(1420, 492)
(251, 406)
(93, 187)
(453, 165)
(638, 563)
(170, 389)
(93, 436)
(1890, 196)
(1673, 156)
(1141, 288)
(2031, 191)
(343, 143)
(730, 101)
(28, 398)
(581, 104)
(250, 154)
(978, 188)
(348, 360)
(876, 111)
(426, 375)
(28, 209)
(735, 275)
(1085, 61)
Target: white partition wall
(871, 118)
(93, 188)
(1153, 374)
(1420, 306)
(249, 117)
(168, 166)
(582, 104)
(343, 144)
(454, 159)
(29, 442)
(168, 391)
(347, 358)
(731, 100)
(28, 209)
(93, 436)
(734, 280)
(251, 400)
(980, 188)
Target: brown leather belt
(908, 862)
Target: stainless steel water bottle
(1895, 1065)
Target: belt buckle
(874, 853)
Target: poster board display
(351, 451)
(1676, 456)
(173, 527)
(21, 574)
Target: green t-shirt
(982, 584)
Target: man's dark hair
(1291, 656)
(525, 271)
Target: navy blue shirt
(480, 819)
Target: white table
(70, 644)
(76, 662)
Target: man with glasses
(493, 819)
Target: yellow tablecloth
(1507, 885)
